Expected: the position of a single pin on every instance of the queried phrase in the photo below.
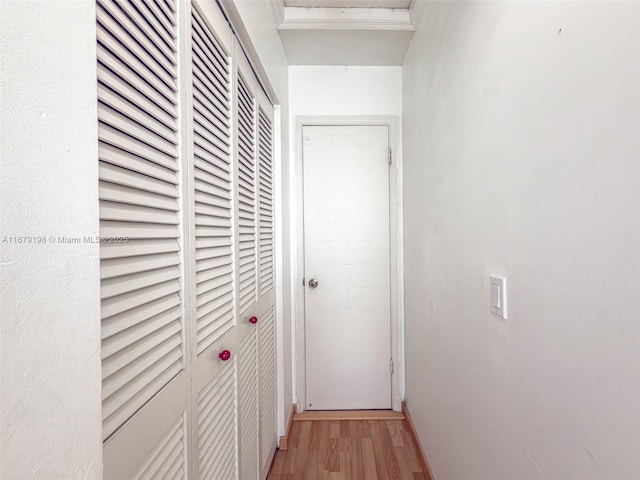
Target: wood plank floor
(348, 450)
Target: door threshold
(318, 415)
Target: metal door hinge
(389, 155)
(391, 365)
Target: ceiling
(348, 3)
(347, 32)
(345, 47)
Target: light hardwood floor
(348, 450)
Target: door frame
(395, 251)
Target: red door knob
(253, 320)
(225, 355)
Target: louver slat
(267, 394)
(265, 194)
(246, 196)
(131, 38)
(165, 12)
(216, 427)
(212, 185)
(167, 461)
(132, 73)
(142, 344)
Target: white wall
(50, 310)
(336, 91)
(259, 34)
(342, 91)
(522, 158)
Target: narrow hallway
(348, 450)
(215, 213)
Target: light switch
(498, 296)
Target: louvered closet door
(212, 265)
(266, 305)
(144, 382)
(267, 427)
(266, 254)
(246, 216)
(248, 407)
(267, 388)
(247, 187)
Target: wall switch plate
(498, 286)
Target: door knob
(313, 283)
(225, 355)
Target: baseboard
(421, 456)
(321, 415)
(285, 438)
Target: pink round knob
(225, 355)
(253, 320)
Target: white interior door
(346, 241)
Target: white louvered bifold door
(267, 388)
(266, 306)
(187, 283)
(211, 245)
(168, 460)
(246, 205)
(246, 218)
(144, 382)
(265, 200)
(212, 184)
(216, 426)
(248, 407)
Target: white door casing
(347, 250)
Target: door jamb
(395, 245)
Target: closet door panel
(212, 207)
(265, 197)
(246, 178)
(168, 459)
(267, 385)
(211, 240)
(145, 394)
(216, 416)
(248, 405)
(267, 388)
(144, 440)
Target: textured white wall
(260, 25)
(522, 158)
(50, 331)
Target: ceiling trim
(349, 3)
(277, 9)
(416, 11)
(301, 18)
(230, 11)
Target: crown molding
(301, 18)
(417, 9)
(231, 13)
(277, 9)
(350, 3)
